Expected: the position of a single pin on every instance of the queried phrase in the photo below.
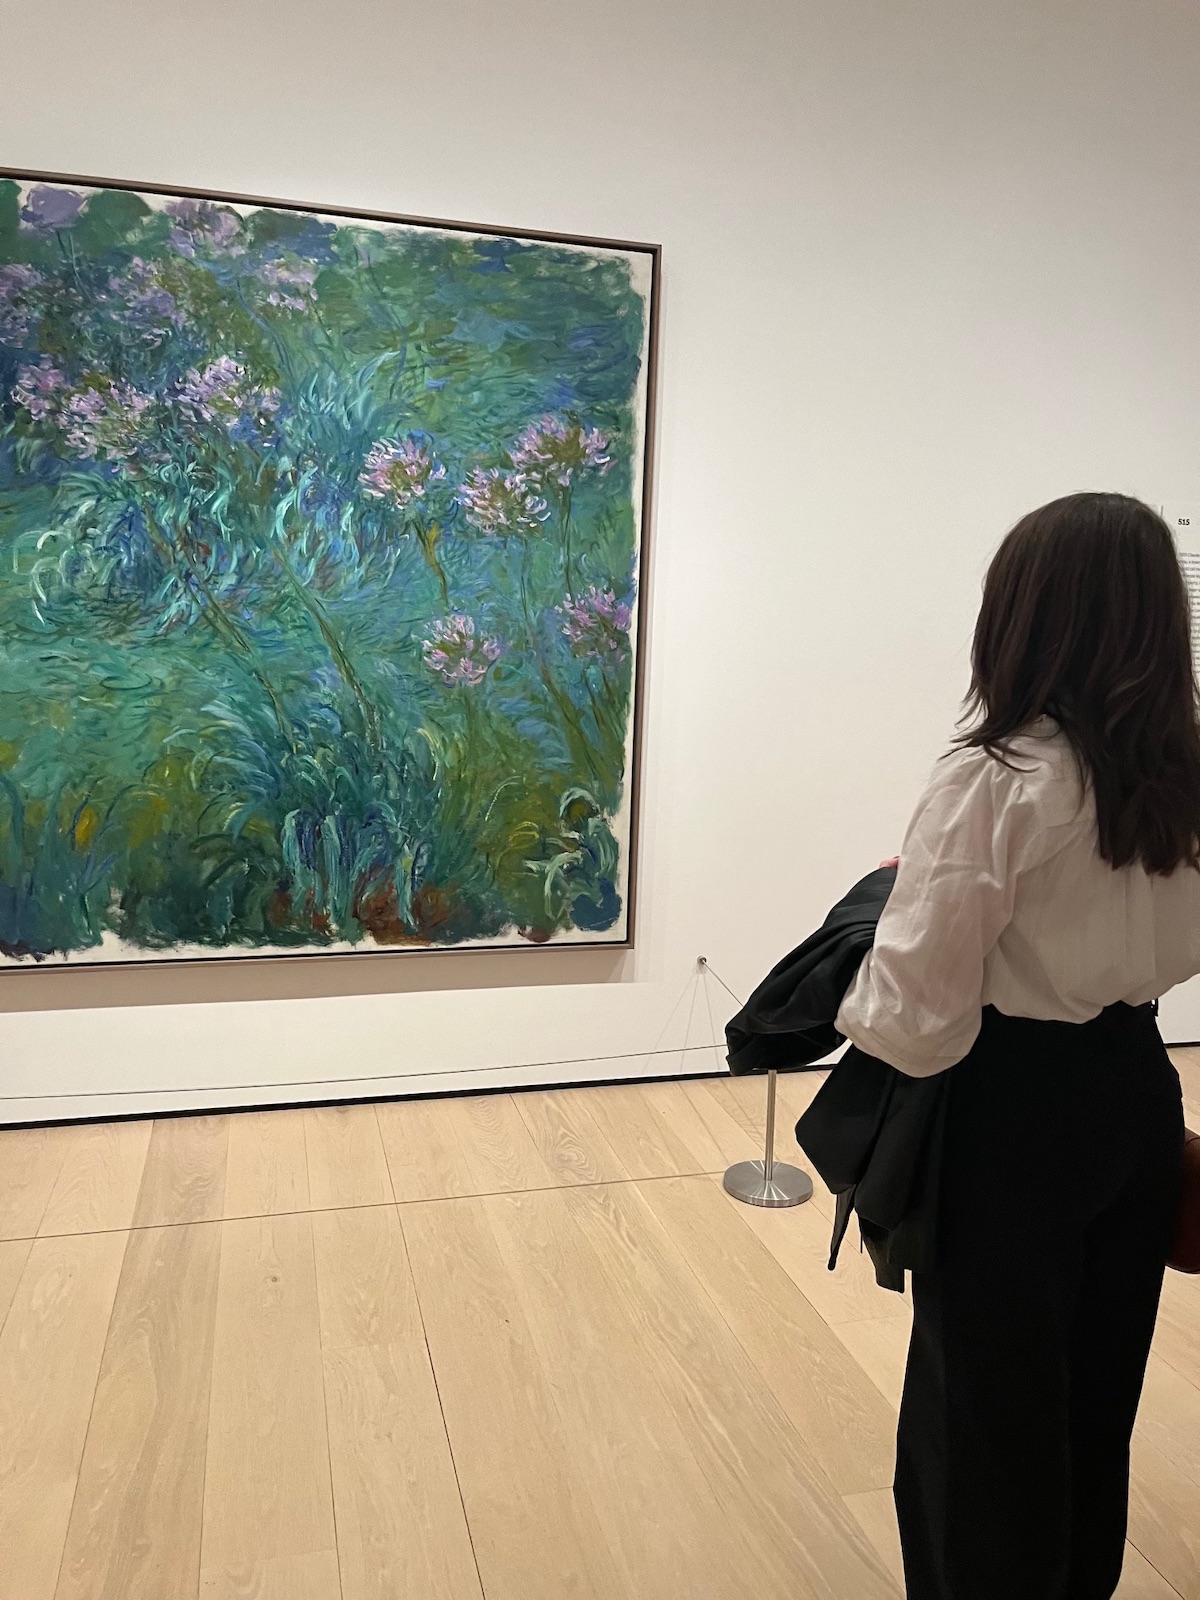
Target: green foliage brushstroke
(317, 569)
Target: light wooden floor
(520, 1348)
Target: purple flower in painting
(41, 390)
(553, 451)
(223, 394)
(399, 470)
(207, 392)
(105, 422)
(17, 282)
(597, 624)
(47, 209)
(201, 227)
(149, 308)
(457, 654)
(290, 288)
(503, 503)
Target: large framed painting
(321, 544)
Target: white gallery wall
(926, 265)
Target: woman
(1047, 893)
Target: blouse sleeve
(917, 999)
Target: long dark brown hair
(1085, 619)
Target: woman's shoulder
(1035, 770)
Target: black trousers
(1061, 1180)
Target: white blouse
(1003, 899)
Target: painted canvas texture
(321, 544)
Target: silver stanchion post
(769, 1182)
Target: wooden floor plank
(49, 1359)
(30, 1162)
(1164, 1517)
(307, 1575)
(744, 1100)
(880, 1347)
(462, 1146)
(796, 1092)
(401, 1530)
(14, 1253)
(847, 1425)
(534, 1528)
(567, 1137)
(666, 1530)
(875, 1513)
(267, 1171)
(1140, 1581)
(135, 1524)
(365, 1293)
(641, 1136)
(1177, 1332)
(1187, 1064)
(346, 1163)
(706, 1126)
(98, 1183)
(267, 1495)
(498, 1145)
(1169, 1416)
(799, 1241)
(758, 1466)
(1189, 1079)
(184, 1175)
(425, 1159)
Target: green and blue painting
(320, 543)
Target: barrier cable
(692, 986)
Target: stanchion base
(788, 1186)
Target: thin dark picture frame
(59, 964)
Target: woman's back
(1083, 933)
(1002, 898)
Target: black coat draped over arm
(872, 1133)
(788, 1020)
